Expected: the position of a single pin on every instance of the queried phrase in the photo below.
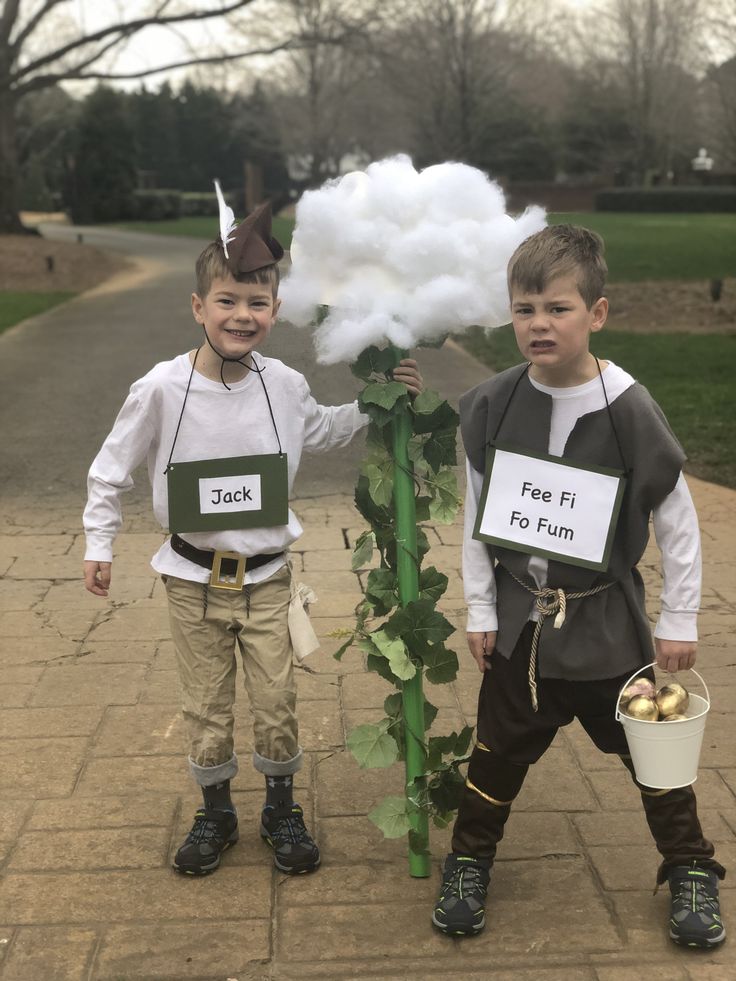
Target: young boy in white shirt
(222, 430)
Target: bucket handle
(654, 665)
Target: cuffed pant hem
(699, 862)
(278, 768)
(206, 776)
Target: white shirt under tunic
(216, 423)
(675, 525)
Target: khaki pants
(208, 625)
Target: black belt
(230, 564)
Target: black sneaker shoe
(294, 850)
(212, 833)
(695, 919)
(460, 908)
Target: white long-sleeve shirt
(675, 526)
(216, 423)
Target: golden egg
(674, 718)
(642, 686)
(643, 708)
(672, 699)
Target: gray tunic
(608, 634)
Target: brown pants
(208, 626)
(512, 736)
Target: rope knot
(550, 601)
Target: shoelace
(694, 893)
(205, 828)
(291, 829)
(464, 875)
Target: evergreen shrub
(684, 199)
(155, 205)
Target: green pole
(408, 574)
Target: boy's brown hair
(212, 264)
(560, 250)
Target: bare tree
(651, 51)
(316, 83)
(452, 63)
(34, 56)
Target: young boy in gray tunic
(556, 640)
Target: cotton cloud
(401, 256)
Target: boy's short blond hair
(212, 264)
(560, 250)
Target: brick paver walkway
(95, 797)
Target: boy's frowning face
(237, 316)
(553, 331)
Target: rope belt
(549, 602)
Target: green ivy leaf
(432, 584)
(443, 416)
(375, 360)
(378, 517)
(381, 589)
(395, 652)
(380, 666)
(441, 665)
(392, 704)
(446, 497)
(380, 483)
(391, 545)
(430, 714)
(383, 394)
(427, 402)
(419, 625)
(442, 820)
(372, 746)
(422, 508)
(392, 817)
(363, 550)
(455, 745)
(463, 742)
(446, 789)
(440, 449)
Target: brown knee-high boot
(672, 816)
(490, 789)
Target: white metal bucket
(665, 755)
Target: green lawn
(15, 307)
(663, 246)
(690, 375)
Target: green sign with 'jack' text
(232, 493)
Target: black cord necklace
(251, 367)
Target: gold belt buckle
(219, 580)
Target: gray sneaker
(294, 849)
(212, 833)
(460, 909)
(695, 917)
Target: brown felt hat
(250, 245)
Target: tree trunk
(10, 222)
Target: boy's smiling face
(553, 331)
(238, 317)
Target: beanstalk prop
(384, 261)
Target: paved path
(94, 795)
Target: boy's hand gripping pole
(408, 575)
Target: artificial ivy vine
(412, 637)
